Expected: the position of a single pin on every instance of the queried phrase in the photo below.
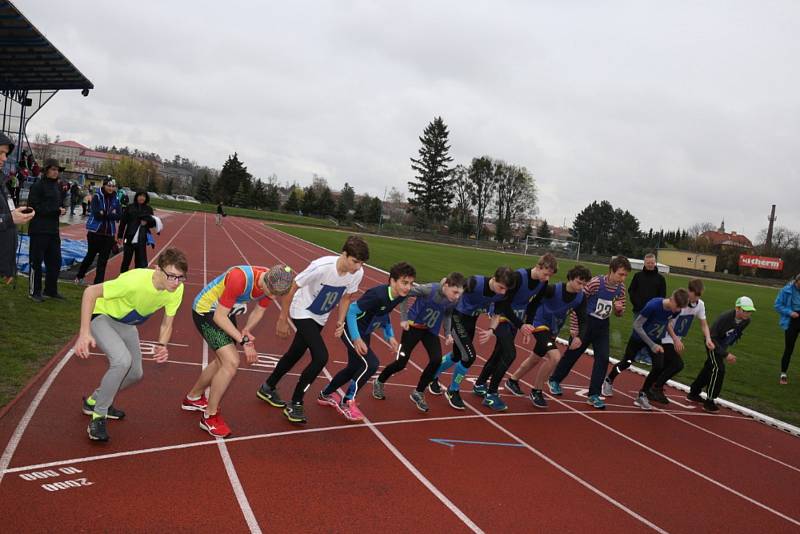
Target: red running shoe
(215, 426)
(198, 405)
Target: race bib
(603, 309)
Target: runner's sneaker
(349, 409)
(694, 397)
(329, 400)
(295, 412)
(435, 387)
(479, 390)
(493, 401)
(710, 406)
(537, 398)
(215, 425)
(607, 390)
(555, 388)
(784, 379)
(513, 386)
(112, 413)
(97, 429)
(198, 405)
(596, 402)
(419, 400)
(454, 398)
(658, 396)
(377, 390)
(270, 396)
(642, 402)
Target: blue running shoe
(493, 401)
(555, 388)
(479, 390)
(596, 402)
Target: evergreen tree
(310, 202)
(230, 178)
(292, 204)
(430, 191)
(259, 195)
(375, 210)
(152, 183)
(243, 197)
(272, 198)
(544, 230)
(481, 185)
(325, 204)
(346, 202)
(203, 192)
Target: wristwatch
(245, 340)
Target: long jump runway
(568, 468)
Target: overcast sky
(680, 112)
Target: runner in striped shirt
(605, 294)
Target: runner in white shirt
(326, 282)
(672, 341)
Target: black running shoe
(657, 395)
(270, 396)
(710, 406)
(513, 386)
(454, 398)
(435, 387)
(97, 429)
(295, 412)
(694, 397)
(36, 297)
(112, 413)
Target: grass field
(32, 332)
(241, 212)
(752, 381)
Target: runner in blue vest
(649, 328)
(480, 293)
(432, 310)
(549, 312)
(605, 294)
(509, 318)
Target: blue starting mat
(72, 251)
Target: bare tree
(696, 230)
(481, 185)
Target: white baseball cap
(745, 303)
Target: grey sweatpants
(120, 342)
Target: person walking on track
(326, 282)
(214, 312)
(110, 313)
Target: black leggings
(100, 246)
(673, 364)
(635, 344)
(308, 336)
(503, 355)
(463, 327)
(408, 341)
(359, 368)
(790, 337)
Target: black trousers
(308, 336)
(463, 327)
(597, 335)
(100, 246)
(408, 341)
(673, 364)
(790, 337)
(359, 368)
(44, 248)
(711, 376)
(502, 357)
(139, 250)
(635, 344)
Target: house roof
(725, 238)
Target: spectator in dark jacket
(646, 284)
(133, 230)
(74, 197)
(45, 242)
(10, 217)
(101, 230)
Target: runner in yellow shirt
(109, 314)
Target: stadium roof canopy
(29, 62)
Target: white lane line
(397, 454)
(233, 476)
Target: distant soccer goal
(562, 247)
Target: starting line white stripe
(424, 480)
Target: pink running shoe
(198, 405)
(215, 425)
(329, 400)
(349, 409)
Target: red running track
(568, 468)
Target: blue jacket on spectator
(786, 302)
(105, 211)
